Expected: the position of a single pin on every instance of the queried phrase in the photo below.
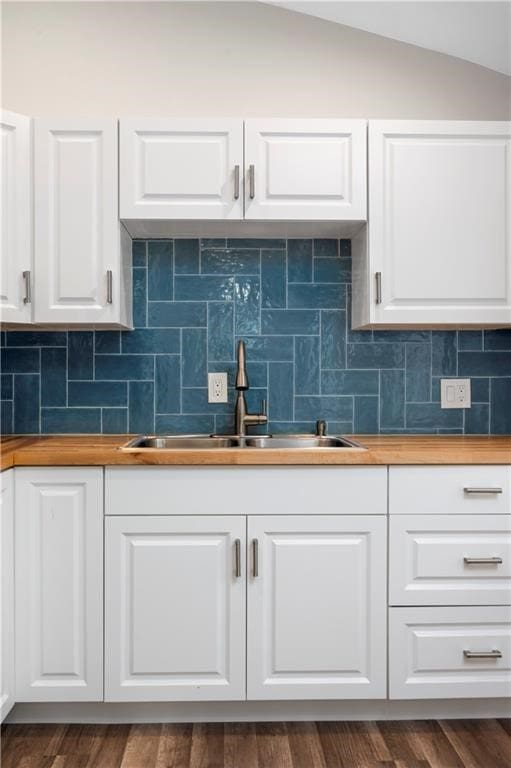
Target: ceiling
(479, 32)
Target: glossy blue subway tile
(500, 406)
(392, 399)
(470, 340)
(141, 407)
(333, 339)
(124, 367)
(179, 314)
(220, 330)
(232, 261)
(36, 338)
(299, 261)
(195, 400)
(97, 393)
(376, 355)
(323, 407)
(254, 397)
(292, 427)
(224, 424)
(255, 242)
(247, 306)
(160, 270)
(186, 257)
(6, 386)
(332, 270)
(139, 253)
(316, 296)
(280, 385)
(480, 390)
(168, 383)
(151, 340)
(391, 337)
(349, 382)
(80, 355)
(366, 415)
(6, 421)
(194, 357)
(444, 353)
(340, 427)
(297, 322)
(498, 340)
(484, 363)
(107, 342)
(307, 365)
(418, 372)
(273, 279)
(327, 248)
(204, 288)
(70, 420)
(187, 424)
(140, 298)
(431, 416)
(114, 421)
(269, 348)
(53, 376)
(212, 242)
(477, 419)
(20, 360)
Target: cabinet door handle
(482, 490)
(28, 287)
(251, 181)
(236, 182)
(483, 560)
(109, 287)
(237, 558)
(378, 287)
(255, 558)
(482, 654)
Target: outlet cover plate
(455, 393)
(217, 387)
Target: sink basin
(180, 442)
(201, 442)
(299, 441)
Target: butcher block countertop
(103, 450)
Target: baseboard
(260, 711)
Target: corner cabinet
(437, 249)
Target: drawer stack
(449, 582)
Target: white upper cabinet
(16, 269)
(82, 255)
(308, 170)
(438, 246)
(181, 169)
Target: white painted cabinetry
(317, 607)
(16, 263)
(437, 250)
(7, 593)
(59, 584)
(175, 619)
(82, 253)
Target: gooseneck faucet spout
(243, 419)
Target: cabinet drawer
(245, 490)
(445, 653)
(449, 490)
(450, 560)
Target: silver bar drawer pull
(255, 558)
(236, 182)
(28, 287)
(482, 490)
(109, 284)
(483, 560)
(378, 287)
(482, 654)
(237, 558)
(251, 181)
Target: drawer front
(445, 653)
(245, 490)
(450, 560)
(449, 490)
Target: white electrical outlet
(217, 387)
(455, 393)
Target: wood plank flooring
(417, 744)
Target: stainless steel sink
(299, 441)
(180, 442)
(201, 442)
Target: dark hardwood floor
(418, 744)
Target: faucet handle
(321, 428)
(264, 407)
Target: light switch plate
(217, 387)
(455, 393)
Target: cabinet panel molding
(7, 683)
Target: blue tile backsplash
(290, 301)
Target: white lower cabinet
(175, 608)
(7, 592)
(446, 653)
(317, 607)
(59, 584)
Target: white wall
(114, 59)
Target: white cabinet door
(309, 170)
(59, 584)
(7, 592)
(317, 607)
(440, 227)
(181, 169)
(175, 609)
(16, 219)
(81, 275)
